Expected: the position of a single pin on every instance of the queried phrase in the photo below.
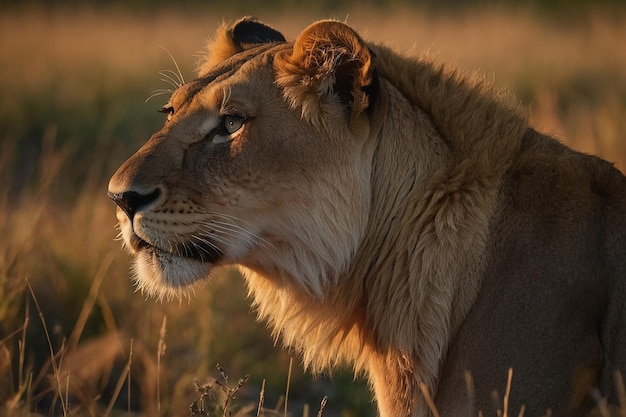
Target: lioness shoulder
(390, 213)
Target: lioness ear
(329, 59)
(230, 40)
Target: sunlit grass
(73, 107)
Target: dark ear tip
(250, 30)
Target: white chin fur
(164, 275)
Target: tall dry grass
(72, 108)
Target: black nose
(131, 201)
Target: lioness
(388, 212)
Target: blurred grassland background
(74, 78)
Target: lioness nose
(131, 201)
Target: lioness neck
(434, 181)
(422, 253)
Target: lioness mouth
(202, 251)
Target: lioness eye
(232, 123)
(167, 109)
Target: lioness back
(390, 213)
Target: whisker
(210, 228)
(234, 230)
(228, 217)
(173, 248)
(180, 74)
(200, 250)
(239, 231)
(203, 248)
(187, 250)
(216, 238)
(218, 229)
(159, 92)
(168, 80)
(205, 241)
(232, 221)
(248, 237)
(183, 245)
(172, 79)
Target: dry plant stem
(107, 314)
(224, 376)
(10, 335)
(23, 386)
(322, 406)
(261, 399)
(230, 392)
(11, 403)
(29, 389)
(507, 393)
(429, 400)
(67, 389)
(130, 362)
(288, 384)
(89, 303)
(120, 383)
(160, 352)
(55, 368)
(22, 348)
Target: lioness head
(262, 162)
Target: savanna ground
(73, 333)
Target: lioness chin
(390, 213)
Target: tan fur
(218, 49)
(367, 198)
